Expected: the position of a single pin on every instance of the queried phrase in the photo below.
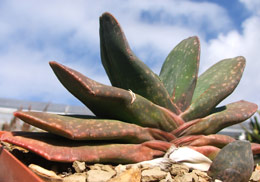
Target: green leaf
(92, 128)
(180, 71)
(233, 163)
(115, 103)
(125, 70)
(55, 148)
(213, 86)
(251, 135)
(222, 117)
(257, 125)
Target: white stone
(154, 174)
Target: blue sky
(33, 33)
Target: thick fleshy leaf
(203, 140)
(125, 70)
(233, 163)
(213, 140)
(213, 86)
(186, 140)
(55, 148)
(115, 103)
(180, 71)
(207, 150)
(255, 148)
(184, 126)
(222, 117)
(92, 128)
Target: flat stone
(76, 177)
(168, 178)
(130, 175)
(154, 174)
(179, 169)
(101, 167)
(100, 173)
(188, 177)
(79, 166)
(202, 176)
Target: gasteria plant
(141, 115)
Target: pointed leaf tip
(180, 71)
(125, 70)
(60, 149)
(107, 17)
(92, 128)
(115, 103)
(221, 118)
(54, 63)
(214, 85)
(106, 14)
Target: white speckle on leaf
(132, 96)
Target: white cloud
(252, 5)
(35, 32)
(244, 44)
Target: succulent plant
(253, 132)
(142, 114)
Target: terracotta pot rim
(13, 169)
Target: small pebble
(79, 166)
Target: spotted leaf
(55, 148)
(180, 71)
(91, 128)
(213, 86)
(213, 140)
(221, 118)
(115, 103)
(125, 70)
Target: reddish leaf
(213, 140)
(115, 103)
(202, 140)
(255, 148)
(209, 151)
(223, 117)
(184, 126)
(92, 128)
(185, 140)
(55, 148)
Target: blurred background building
(9, 106)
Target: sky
(32, 33)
